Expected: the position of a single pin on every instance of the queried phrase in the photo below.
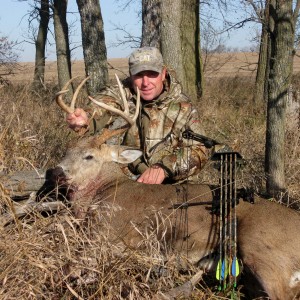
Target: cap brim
(140, 68)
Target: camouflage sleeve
(179, 157)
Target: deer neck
(110, 174)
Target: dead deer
(268, 233)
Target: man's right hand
(78, 119)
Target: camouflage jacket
(158, 130)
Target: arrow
(222, 269)
(235, 268)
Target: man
(165, 113)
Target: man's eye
(89, 157)
(153, 74)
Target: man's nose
(145, 80)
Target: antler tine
(124, 114)
(123, 96)
(72, 106)
(125, 102)
(59, 99)
(61, 103)
(113, 110)
(137, 105)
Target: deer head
(91, 158)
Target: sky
(14, 25)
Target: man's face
(149, 83)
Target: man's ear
(163, 73)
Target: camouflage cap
(145, 59)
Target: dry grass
(216, 66)
(57, 258)
(229, 116)
(32, 133)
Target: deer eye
(89, 157)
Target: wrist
(168, 173)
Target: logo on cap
(145, 59)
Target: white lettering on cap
(145, 57)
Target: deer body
(268, 233)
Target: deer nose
(57, 174)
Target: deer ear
(126, 156)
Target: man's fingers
(155, 175)
(77, 119)
(78, 112)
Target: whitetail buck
(268, 233)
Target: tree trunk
(151, 21)
(180, 43)
(40, 46)
(192, 63)
(93, 43)
(62, 43)
(261, 81)
(171, 36)
(281, 60)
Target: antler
(59, 96)
(107, 134)
(124, 114)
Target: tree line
(174, 27)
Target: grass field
(219, 65)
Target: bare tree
(8, 58)
(282, 33)
(93, 43)
(192, 59)
(40, 44)
(171, 35)
(151, 22)
(180, 43)
(62, 42)
(261, 11)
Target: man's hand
(77, 119)
(153, 175)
